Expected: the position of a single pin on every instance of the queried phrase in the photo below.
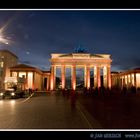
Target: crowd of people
(106, 91)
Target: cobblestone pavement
(47, 111)
(115, 111)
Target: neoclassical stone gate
(85, 60)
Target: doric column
(105, 78)
(73, 80)
(108, 77)
(125, 77)
(127, 80)
(87, 76)
(52, 80)
(95, 76)
(63, 76)
(98, 77)
(131, 79)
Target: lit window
(22, 74)
(137, 80)
(14, 74)
(126, 79)
(1, 64)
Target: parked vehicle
(2, 94)
(12, 94)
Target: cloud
(25, 62)
(126, 63)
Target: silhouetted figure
(133, 89)
(30, 91)
(85, 90)
(124, 90)
(108, 91)
(102, 90)
(99, 91)
(63, 92)
(96, 91)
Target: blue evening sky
(34, 35)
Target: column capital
(73, 65)
(87, 65)
(98, 66)
(53, 66)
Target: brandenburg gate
(85, 60)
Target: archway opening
(68, 78)
(58, 78)
(101, 77)
(79, 78)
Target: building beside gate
(7, 59)
(25, 76)
(128, 78)
(30, 77)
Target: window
(1, 64)
(14, 74)
(22, 74)
(137, 80)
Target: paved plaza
(115, 111)
(46, 111)
(53, 110)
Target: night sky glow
(34, 35)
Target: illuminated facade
(7, 59)
(86, 61)
(127, 78)
(26, 76)
(30, 77)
